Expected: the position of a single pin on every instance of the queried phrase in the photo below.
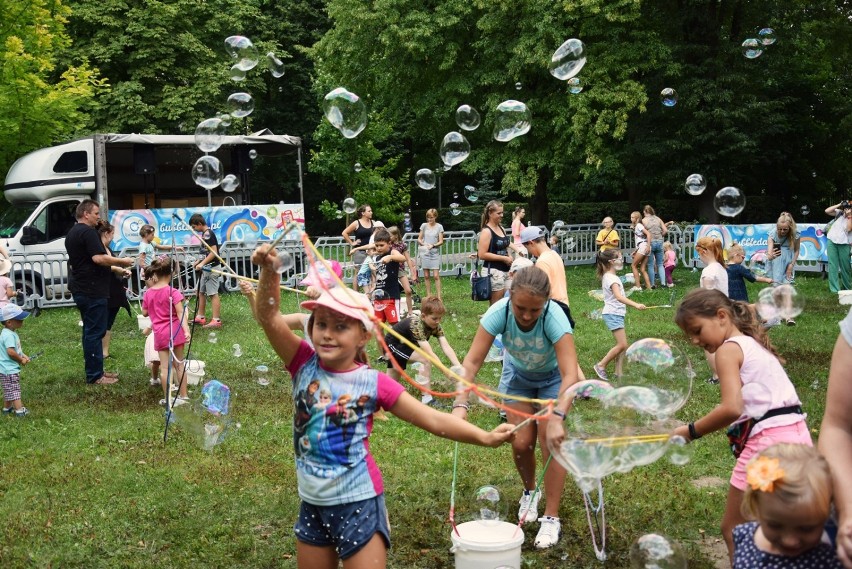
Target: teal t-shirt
(9, 339)
(533, 350)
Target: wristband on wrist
(558, 413)
(693, 434)
(464, 406)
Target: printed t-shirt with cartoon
(611, 304)
(9, 339)
(331, 429)
(387, 277)
(532, 350)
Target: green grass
(87, 480)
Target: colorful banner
(243, 223)
(753, 238)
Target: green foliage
(44, 98)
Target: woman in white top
(714, 276)
(838, 239)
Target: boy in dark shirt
(386, 293)
(209, 287)
(737, 273)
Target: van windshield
(14, 217)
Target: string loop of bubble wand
(453, 489)
(535, 491)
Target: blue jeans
(655, 263)
(94, 312)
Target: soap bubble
(512, 120)
(752, 48)
(345, 111)
(425, 178)
(252, 153)
(695, 184)
(276, 66)
(575, 86)
(663, 374)
(467, 118)
(207, 172)
(379, 294)
(357, 167)
(757, 263)
(237, 74)
(679, 452)
(338, 214)
(471, 194)
(240, 104)
(230, 183)
(207, 416)
(208, 135)
(668, 96)
(729, 201)
(781, 301)
(238, 350)
(654, 551)
(241, 49)
(558, 225)
(225, 118)
(568, 60)
(283, 262)
(488, 505)
(455, 209)
(766, 36)
(349, 206)
(805, 210)
(261, 375)
(518, 86)
(454, 148)
(757, 400)
(212, 338)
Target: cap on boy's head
(344, 301)
(12, 312)
(531, 234)
(520, 263)
(5, 266)
(318, 273)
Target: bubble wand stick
(542, 413)
(249, 279)
(453, 490)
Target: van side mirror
(32, 236)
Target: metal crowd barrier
(42, 276)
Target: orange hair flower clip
(763, 473)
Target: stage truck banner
(241, 223)
(753, 238)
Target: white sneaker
(635, 289)
(154, 381)
(549, 532)
(528, 511)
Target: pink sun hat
(318, 274)
(344, 301)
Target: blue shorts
(613, 321)
(529, 384)
(347, 527)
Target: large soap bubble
(208, 415)
(511, 120)
(242, 49)
(757, 263)
(454, 148)
(350, 206)
(781, 301)
(575, 86)
(568, 59)
(695, 184)
(654, 551)
(425, 178)
(230, 183)
(729, 201)
(276, 66)
(237, 74)
(467, 118)
(766, 36)
(207, 172)
(240, 105)
(209, 134)
(752, 48)
(656, 376)
(488, 505)
(471, 194)
(668, 97)
(345, 111)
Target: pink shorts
(797, 433)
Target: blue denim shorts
(613, 322)
(529, 384)
(347, 527)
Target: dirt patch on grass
(716, 551)
(708, 482)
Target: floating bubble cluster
(345, 111)
(654, 551)
(242, 49)
(467, 118)
(350, 206)
(781, 301)
(568, 59)
(695, 184)
(425, 178)
(207, 172)
(454, 148)
(208, 416)
(512, 119)
(729, 201)
(668, 97)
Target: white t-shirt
(715, 276)
(837, 233)
(846, 327)
(639, 231)
(611, 304)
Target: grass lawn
(87, 480)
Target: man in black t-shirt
(88, 280)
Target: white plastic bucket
(194, 371)
(486, 545)
(143, 321)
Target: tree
(43, 99)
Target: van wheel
(26, 289)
